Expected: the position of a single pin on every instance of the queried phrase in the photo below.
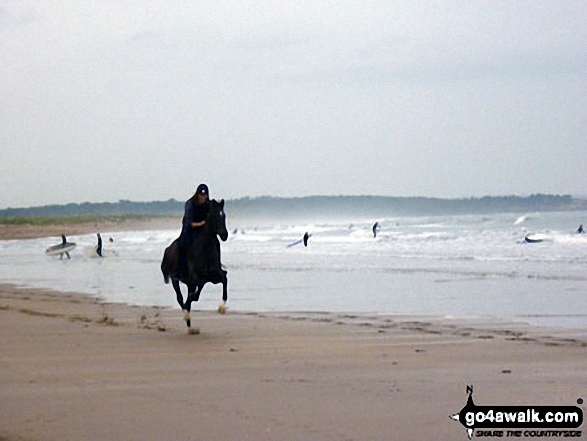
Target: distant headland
(316, 207)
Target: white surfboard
(91, 252)
(297, 242)
(56, 250)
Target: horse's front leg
(224, 287)
(199, 289)
(222, 307)
(187, 306)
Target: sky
(143, 100)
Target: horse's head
(217, 219)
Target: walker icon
(520, 417)
(470, 406)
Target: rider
(194, 219)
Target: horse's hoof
(193, 331)
(186, 315)
(222, 308)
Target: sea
(453, 266)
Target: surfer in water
(99, 247)
(63, 245)
(375, 225)
(306, 237)
(580, 229)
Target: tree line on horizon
(314, 205)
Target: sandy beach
(29, 231)
(76, 368)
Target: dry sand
(75, 368)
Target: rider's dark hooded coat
(193, 212)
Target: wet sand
(75, 368)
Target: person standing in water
(63, 245)
(375, 225)
(99, 247)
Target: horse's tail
(169, 262)
(165, 266)
(165, 271)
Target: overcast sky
(143, 100)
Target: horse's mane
(194, 199)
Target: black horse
(203, 262)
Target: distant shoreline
(312, 207)
(87, 218)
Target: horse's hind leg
(178, 293)
(188, 306)
(185, 312)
